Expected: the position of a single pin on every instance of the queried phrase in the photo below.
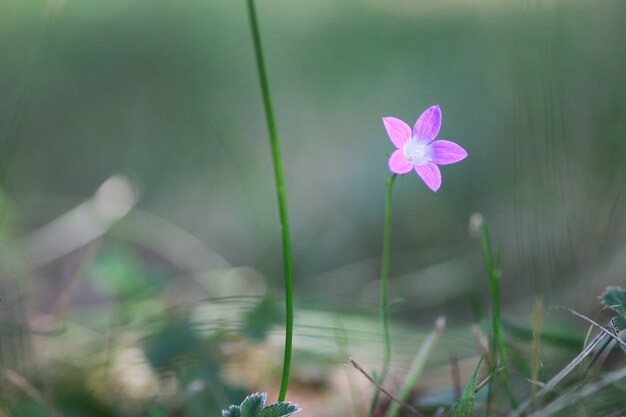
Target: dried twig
(384, 391)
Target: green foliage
(254, 406)
(117, 271)
(260, 319)
(615, 299)
(280, 409)
(170, 343)
(465, 405)
(157, 411)
(233, 411)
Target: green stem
(493, 275)
(384, 290)
(282, 200)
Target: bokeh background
(141, 259)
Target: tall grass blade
(493, 275)
(535, 364)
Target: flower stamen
(415, 151)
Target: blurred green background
(165, 96)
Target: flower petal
(430, 174)
(444, 152)
(428, 124)
(398, 163)
(398, 131)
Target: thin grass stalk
(282, 199)
(536, 348)
(493, 276)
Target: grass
(493, 278)
(126, 313)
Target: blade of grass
(599, 326)
(465, 406)
(536, 347)
(493, 275)
(417, 366)
(598, 356)
(282, 199)
(580, 393)
(550, 385)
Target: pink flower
(418, 150)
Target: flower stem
(282, 200)
(384, 290)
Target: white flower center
(415, 151)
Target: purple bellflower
(418, 150)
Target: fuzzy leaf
(615, 299)
(252, 405)
(618, 324)
(282, 409)
(233, 411)
(465, 405)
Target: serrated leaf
(252, 405)
(282, 409)
(465, 405)
(233, 411)
(615, 299)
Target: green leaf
(618, 324)
(615, 299)
(233, 411)
(282, 409)
(252, 405)
(465, 405)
